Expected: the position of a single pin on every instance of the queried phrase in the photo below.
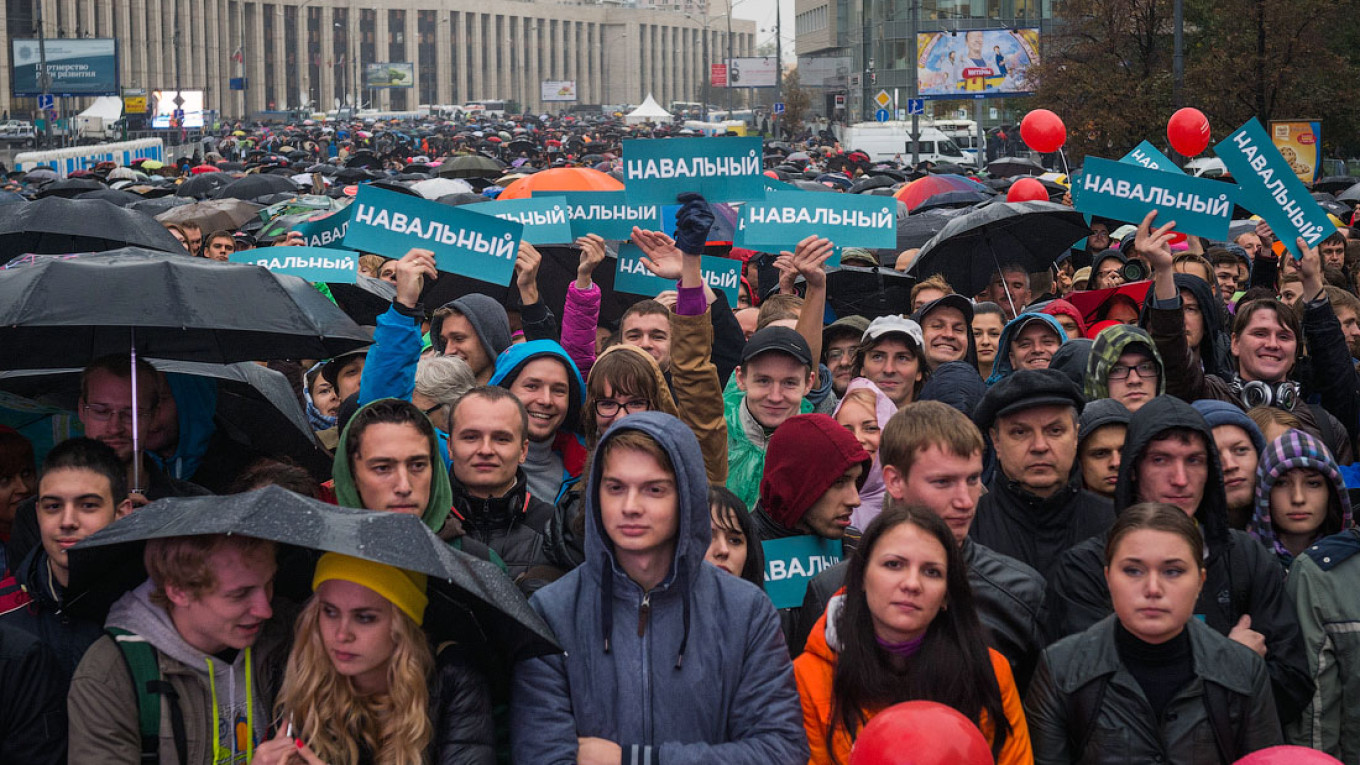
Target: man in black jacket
(932, 458)
(1170, 456)
(1036, 506)
(32, 701)
(488, 441)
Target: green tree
(797, 102)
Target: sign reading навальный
(1128, 191)
(325, 232)
(791, 562)
(387, 223)
(1271, 189)
(727, 169)
(606, 214)
(785, 218)
(545, 219)
(315, 264)
(721, 274)
(1151, 157)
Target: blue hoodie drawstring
(607, 584)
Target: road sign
(47, 101)
(178, 100)
(881, 115)
(179, 115)
(778, 107)
(916, 106)
(883, 99)
(840, 102)
(51, 114)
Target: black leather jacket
(515, 526)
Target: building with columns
(310, 53)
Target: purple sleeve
(690, 301)
(580, 316)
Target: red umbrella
(1089, 302)
(204, 169)
(918, 191)
(561, 179)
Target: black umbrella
(1009, 167)
(365, 300)
(70, 187)
(1351, 194)
(868, 292)
(256, 185)
(108, 561)
(203, 185)
(59, 226)
(158, 205)
(807, 185)
(918, 228)
(1334, 183)
(972, 247)
(471, 166)
(952, 200)
(64, 312)
(112, 196)
(1330, 204)
(869, 183)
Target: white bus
(964, 135)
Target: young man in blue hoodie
(545, 379)
(667, 659)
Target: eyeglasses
(836, 354)
(102, 413)
(608, 407)
(1145, 369)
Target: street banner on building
(1151, 157)
(75, 66)
(729, 169)
(760, 72)
(1300, 143)
(979, 63)
(630, 276)
(387, 223)
(544, 218)
(315, 264)
(792, 562)
(785, 218)
(607, 214)
(557, 90)
(1127, 191)
(717, 75)
(1271, 188)
(327, 231)
(390, 74)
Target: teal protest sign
(1125, 191)
(482, 247)
(791, 562)
(785, 218)
(545, 219)
(328, 231)
(655, 170)
(1149, 156)
(607, 214)
(1271, 189)
(315, 264)
(722, 274)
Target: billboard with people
(557, 90)
(79, 67)
(977, 63)
(390, 74)
(752, 72)
(164, 108)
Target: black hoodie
(1214, 351)
(1240, 578)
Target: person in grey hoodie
(667, 659)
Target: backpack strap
(1083, 708)
(147, 682)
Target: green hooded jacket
(1108, 346)
(347, 494)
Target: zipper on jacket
(644, 611)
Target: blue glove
(692, 223)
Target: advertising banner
(785, 218)
(717, 75)
(387, 223)
(315, 264)
(792, 562)
(392, 74)
(544, 218)
(722, 169)
(752, 72)
(134, 101)
(77, 67)
(1271, 188)
(1127, 191)
(977, 64)
(1300, 143)
(823, 72)
(557, 90)
(163, 104)
(607, 214)
(722, 274)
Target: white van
(889, 141)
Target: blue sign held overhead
(325, 231)
(1127, 191)
(607, 214)
(722, 169)
(1271, 189)
(882, 115)
(315, 264)
(787, 217)
(545, 218)
(916, 106)
(721, 274)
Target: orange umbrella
(561, 179)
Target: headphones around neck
(1282, 395)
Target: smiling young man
(217, 640)
(82, 490)
(1027, 342)
(667, 658)
(890, 356)
(946, 329)
(545, 379)
(769, 387)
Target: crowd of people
(1114, 534)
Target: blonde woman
(362, 684)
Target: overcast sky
(763, 13)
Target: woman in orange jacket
(904, 628)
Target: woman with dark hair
(735, 546)
(903, 629)
(1151, 683)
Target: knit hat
(1296, 450)
(1223, 413)
(403, 589)
(804, 457)
(488, 320)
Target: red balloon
(1288, 755)
(1188, 131)
(1027, 190)
(920, 733)
(1043, 131)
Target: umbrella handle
(136, 441)
(987, 237)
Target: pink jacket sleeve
(580, 317)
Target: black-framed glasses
(1145, 370)
(606, 407)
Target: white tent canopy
(649, 111)
(106, 107)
